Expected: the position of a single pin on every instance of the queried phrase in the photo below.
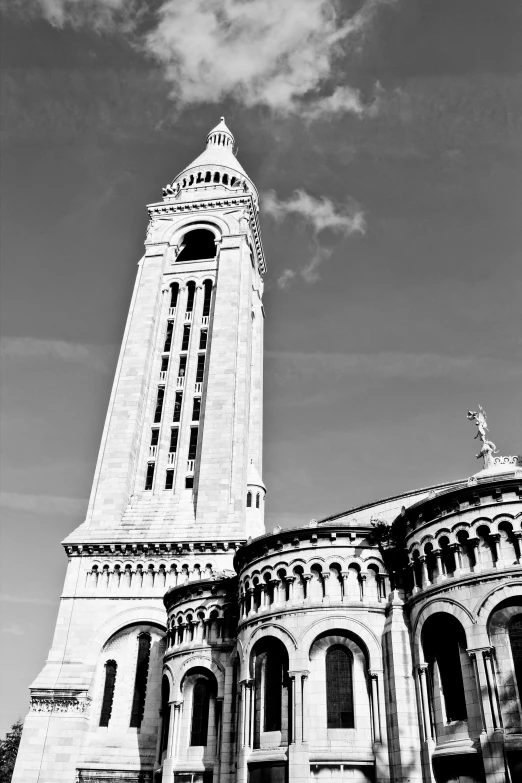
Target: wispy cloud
(43, 504)
(98, 357)
(319, 214)
(386, 365)
(261, 52)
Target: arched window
(108, 692)
(443, 639)
(165, 714)
(140, 681)
(191, 292)
(249, 500)
(207, 297)
(200, 709)
(197, 244)
(273, 690)
(339, 688)
(515, 640)
(174, 291)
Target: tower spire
(220, 136)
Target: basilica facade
(380, 644)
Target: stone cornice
(164, 208)
(456, 501)
(292, 539)
(151, 549)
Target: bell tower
(177, 487)
(181, 453)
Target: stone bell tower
(183, 434)
(177, 486)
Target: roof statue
(488, 447)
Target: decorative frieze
(59, 705)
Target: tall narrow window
(193, 443)
(200, 710)
(203, 337)
(154, 436)
(159, 404)
(249, 499)
(168, 336)
(191, 292)
(165, 714)
(443, 639)
(177, 406)
(140, 681)
(173, 439)
(174, 290)
(200, 371)
(515, 640)
(164, 363)
(196, 409)
(108, 692)
(207, 285)
(182, 366)
(186, 338)
(169, 478)
(339, 688)
(149, 477)
(189, 482)
(273, 690)
(258, 497)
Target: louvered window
(200, 368)
(140, 682)
(159, 404)
(200, 708)
(515, 639)
(168, 336)
(339, 688)
(108, 692)
(207, 285)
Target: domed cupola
(216, 171)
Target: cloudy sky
(385, 137)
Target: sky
(385, 138)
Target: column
(441, 571)
(264, 596)
(246, 731)
(457, 554)
(290, 581)
(306, 580)
(344, 581)
(475, 552)
(326, 577)
(275, 591)
(492, 687)
(252, 609)
(422, 674)
(293, 711)
(304, 706)
(425, 576)
(362, 580)
(376, 718)
(492, 736)
(497, 538)
(298, 758)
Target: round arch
(195, 662)
(174, 234)
(443, 606)
(486, 605)
(347, 624)
(142, 615)
(271, 630)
